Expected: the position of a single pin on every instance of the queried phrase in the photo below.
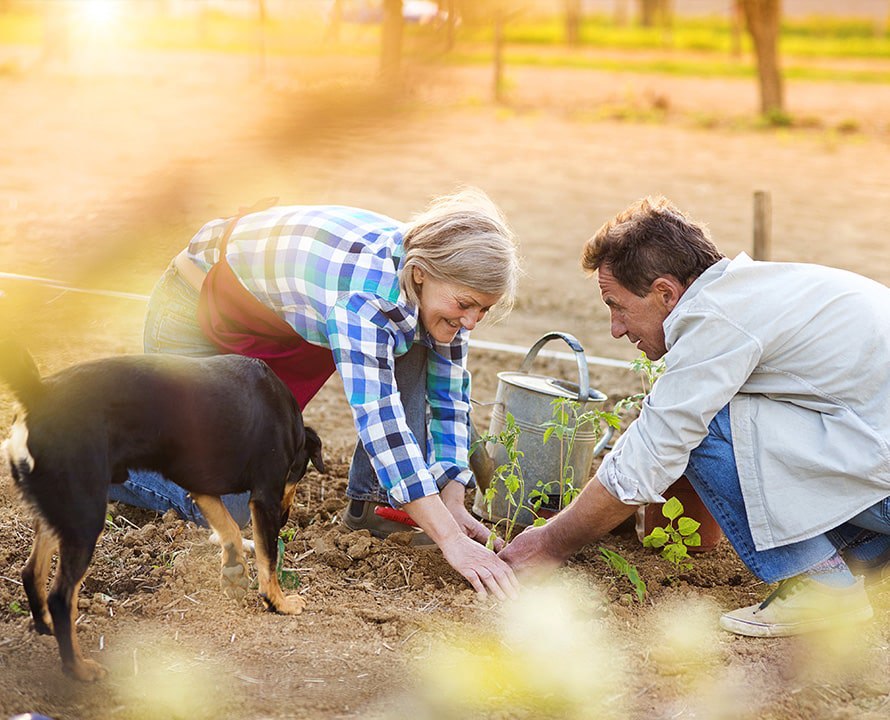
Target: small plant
(15, 607)
(675, 539)
(621, 565)
(510, 474)
(288, 578)
(649, 372)
(567, 421)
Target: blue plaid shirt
(332, 273)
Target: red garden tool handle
(399, 516)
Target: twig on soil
(9, 579)
(410, 635)
(248, 679)
(405, 574)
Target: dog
(217, 425)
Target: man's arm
(542, 549)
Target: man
(775, 404)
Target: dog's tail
(19, 371)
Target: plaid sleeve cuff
(445, 472)
(393, 450)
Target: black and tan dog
(216, 425)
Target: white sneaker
(247, 545)
(800, 605)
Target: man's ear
(669, 290)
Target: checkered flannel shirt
(331, 272)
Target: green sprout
(621, 565)
(675, 539)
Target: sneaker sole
(747, 628)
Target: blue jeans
(171, 326)
(712, 472)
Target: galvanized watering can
(529, 399)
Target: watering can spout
(481, 461)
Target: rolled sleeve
(706, 366)
(448, 394)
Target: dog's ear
(313, 448)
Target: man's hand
(453, 497)
(528, 554)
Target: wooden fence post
(763, 218)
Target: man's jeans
(712, 472)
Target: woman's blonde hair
(463, 238)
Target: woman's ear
(418, 274)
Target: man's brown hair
(650, 239)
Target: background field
(109, 167)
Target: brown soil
(104, 176)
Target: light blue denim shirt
(802, 355)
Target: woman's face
(445, 308)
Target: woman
(317, 289)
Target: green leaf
(512, 483)
(539, 522)
(548, 432)
(657, 538)
(693, 540)
(492, 536)
(675, 553)
(16, 608)
(687, 526)
(672, 509)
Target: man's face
(639, 318)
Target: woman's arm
(363, 337)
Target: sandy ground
(105, 173)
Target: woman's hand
(453, 497)
(484, 570)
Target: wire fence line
(480, 344)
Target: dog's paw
(86, 670)
(43, 626)
(293, 605)
(234, 580)
(290, 605)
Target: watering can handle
(572, 342)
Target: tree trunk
(499, 20)
(450, 23)
(573, 22)
(391, 43)
(648, 11)
(620, 13)
(261, 36)
(736, 23)
(335, 22)
(763, 18)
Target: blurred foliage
(693, 46)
